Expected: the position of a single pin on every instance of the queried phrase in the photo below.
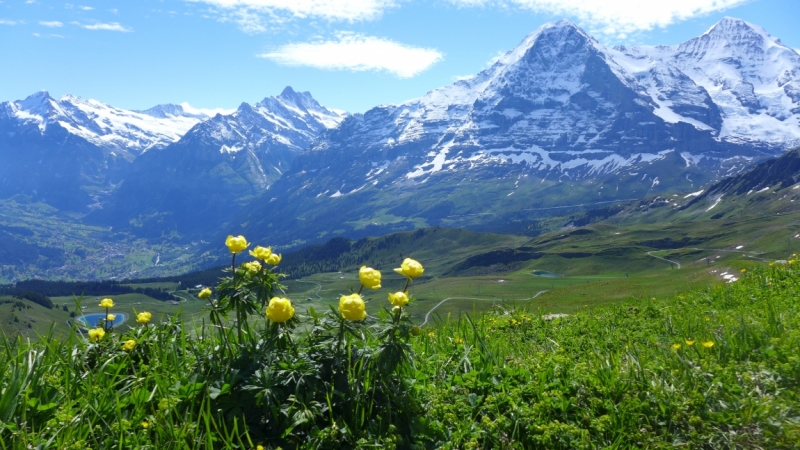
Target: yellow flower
(398, 299)
(110, 317)
(143, 317)
(259, 447)
(690, 342)
(252, 267)
(236, 244)
(274, 259)
(95, 334)
(145, 424)
(106, 303)
(280, 309)
(743, 270)
(205, 293)
(352, 307)
(676, 346)
(431, 334)
(261, 252)
(459, 341)
(128, 345)
(369, 277)
(708, 344)
(410, 268)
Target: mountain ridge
(216, 168)
(560, 119)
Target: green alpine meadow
(716, 367)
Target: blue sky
(350, 54)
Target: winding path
(744, 252)
(180, 295)
(428, 315)
(319, 287)
(723, 250)
(664, 259)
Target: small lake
(90, 320)
(545, 274)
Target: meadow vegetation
(707, 368)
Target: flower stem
(341, 335)
(222, 330)
(408, 281)
(238, 309)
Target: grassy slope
(42, 320)
(612, 264)
(615, 376)
(598, 264)
(624, 375)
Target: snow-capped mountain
(751, 77)
(198, 182)
(560, 120)
(291, 120)
(122, 132)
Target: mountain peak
(163, 110)
(553, 35)
(288, 92)
(736, 30)
(299, 99)
(562, 24)
(40, 103)
(37, 98)
(39, 94)
(170, 110)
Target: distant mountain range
(560, 123)
(560, 120)
(199, 183)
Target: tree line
(39, 291)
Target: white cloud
(86, 8)
(252, 14)
(248, 21)
(56, 36)
(111, 26)
(617, 17)
(51, 24)
(7, 22)
(357, 53)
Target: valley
(467, 272)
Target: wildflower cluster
(106, 325)
(337, 365)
